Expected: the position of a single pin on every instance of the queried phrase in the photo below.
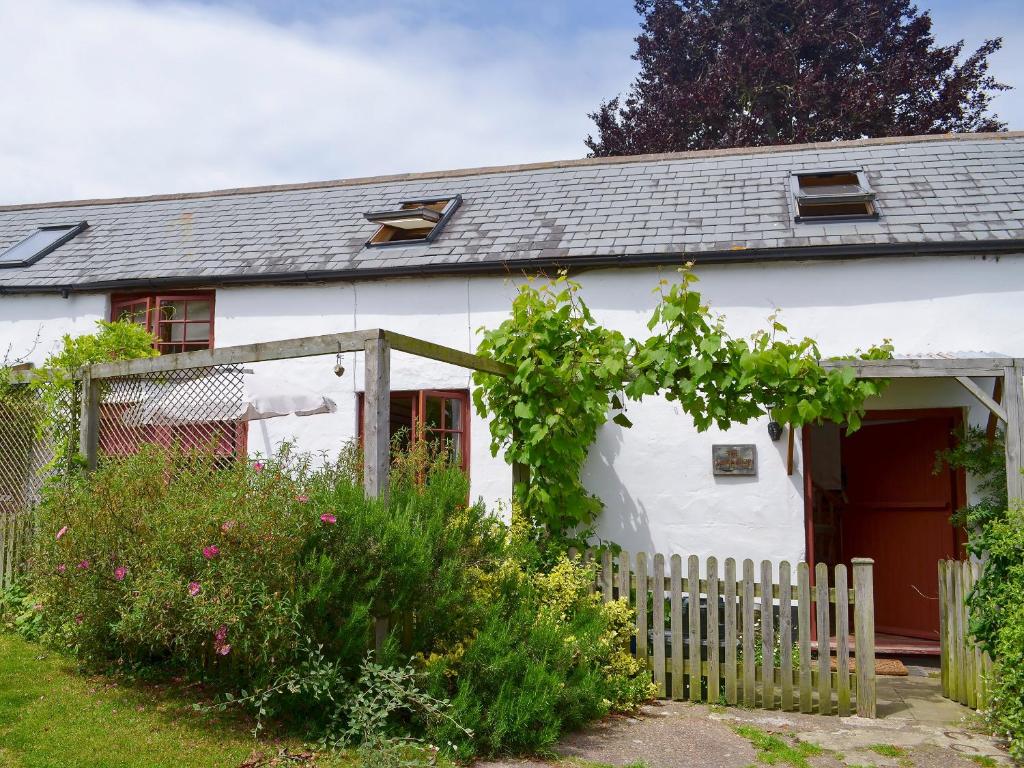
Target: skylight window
(418, 221)
(833, 196)
(41, 242)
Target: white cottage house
(917, 239)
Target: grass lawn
(53, 717)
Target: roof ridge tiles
(522, 168)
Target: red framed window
(439, 416)
(181, 322)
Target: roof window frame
(867, 195)
(72, 231)
(379, 217)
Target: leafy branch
(572, 375)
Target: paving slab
(927, 730)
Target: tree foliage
(728, 73)
(573, 374)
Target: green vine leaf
(573, 374)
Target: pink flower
(227, 525)
(119, 573)
(79, 619)
(61, 568)
(61, 532)
(220, 644)
(257, 467)
(194, 588)
(328, 518)
(84, 564)
(302, 498)
(211, 551)
(38, 607)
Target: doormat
(883, 667)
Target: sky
(121, 97)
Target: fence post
(864, 627)
(376, 416)
(89, 426)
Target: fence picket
(803, 624)
(714, 672)
(943, 631)
(864, 634)
(730, 631)
(624, 580)
(842, 643)
(980, 683)
(749, 670)
(658, 619)
(961, 630)
(767, 637)
(785, 637)
(952, 628)
(693, 595)
(676, 624)
(607, 576)
(972, 676)
(824, 655)
(641, 606)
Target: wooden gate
(966, 669)
(755, 639)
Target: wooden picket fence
(966, 669)
(739, 645)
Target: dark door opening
(876, 493)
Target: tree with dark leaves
(728, 73)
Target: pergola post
(376, 416)
(1013, 402)
(89, 421)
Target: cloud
(107, 97)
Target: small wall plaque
(734, 459)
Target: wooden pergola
(376, 345)
(1006, 404)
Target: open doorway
(876, 493)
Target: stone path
(927, 730)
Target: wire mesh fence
(37, 440)
(191, 410)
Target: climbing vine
(55, 394)
(572, 375)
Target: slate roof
(962, 193)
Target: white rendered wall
(31, 326)
(655, 479)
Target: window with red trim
(181, 322)
(439, 416)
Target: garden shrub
(547, 657)
(263, 579)
(996, 535)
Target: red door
(898, 512)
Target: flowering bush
(235, 575)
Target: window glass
(180, 323)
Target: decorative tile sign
(734, 459)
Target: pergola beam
(982, 397)
(925, 368)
